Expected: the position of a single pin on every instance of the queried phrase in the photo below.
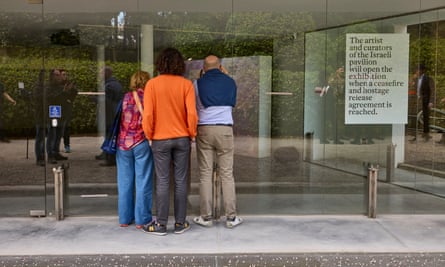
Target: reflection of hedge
(286, 110)
(82, 71)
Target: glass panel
(83, 44)
(353, 148)
(423, 156)
(22, 181)
(294, 152)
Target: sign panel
(376, 80)
(55, 111)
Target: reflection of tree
(195, 40)
(270, 33)
(96, 35)
(22, 29)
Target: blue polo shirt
(216, 89)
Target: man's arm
(10, 99)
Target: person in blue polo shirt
(215, 98)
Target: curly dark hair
(170, 61)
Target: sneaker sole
(182, 231)
(230, 226)
(154, 233)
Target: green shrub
(24, 65)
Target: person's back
(134, 158)
(167, 94)
(169, 122)
(216, 96)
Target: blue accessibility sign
(55, 111)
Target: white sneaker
(230, 223)
(203, 222)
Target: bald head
(211, 62)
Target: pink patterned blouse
(131, 133)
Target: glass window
(294, 152)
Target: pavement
(314, 240)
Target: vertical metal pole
(390, 159)
(308, 146)
(100, 108)
(147, 48)
(58, 193)
(27, 144)
(65, 189)
(61, 195)
(216, 193)
(372, 187)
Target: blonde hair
(139, 79)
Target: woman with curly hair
(169, 122)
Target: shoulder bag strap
(138, 102)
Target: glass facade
(296, 152)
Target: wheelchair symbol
(55, 111)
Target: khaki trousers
(215, 144)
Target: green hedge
(19, 119)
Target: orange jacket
(169, 108)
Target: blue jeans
(135, 184)
(171, 152)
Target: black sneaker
(155, 228)
(181, 227)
